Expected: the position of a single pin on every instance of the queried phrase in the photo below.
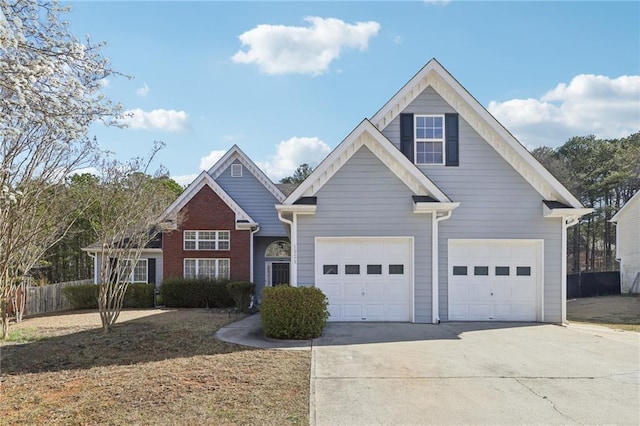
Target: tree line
(603, 174)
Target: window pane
(502, 271)
(206, 268)
(352, 269)
(223, 245)
(396, 269)
(523, 271)
(206, 235)
(330, 269)
(189, 235)
(480, 270)
(223, 235)
(189, 245)
(223, 268)
(459, 270)
(206, 245)
(140, 271)
(189, 268)
(374, 269)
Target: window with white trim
(236, 170)
(206, 240)
(429, 139)
(135, 274)
(206, 268)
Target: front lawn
(156, 367)
(621, 312)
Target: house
(428, 211)
(628, 244)
(432, 211)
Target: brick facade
(206, 211)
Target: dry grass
(620, 312)
(156, 367)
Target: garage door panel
(508, 292)
(366, 294)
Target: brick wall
(206, 211)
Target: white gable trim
(623, 209)
(433, 74)
(235, 153)
(200, 182)
(366, 134)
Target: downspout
(435, 315)
(293, 271)
(253, 232)
(566, 223)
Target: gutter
(253, 232)
(293, 236)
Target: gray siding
(145, 255)
(254, 199)
(364, 198)
(496, 202)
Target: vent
(236, 170)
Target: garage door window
(480, 270)
(459, 270)
(352, 269)
(502, 271)
(330, 269)
(396, 269)
(523, 271)
(374, 269)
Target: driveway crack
(553, 405)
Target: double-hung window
(206, 240)
(429, 139)
(130, 273)
(206, 268)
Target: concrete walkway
(465, 373)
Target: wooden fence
(49, 298)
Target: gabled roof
(434, 75)
(235, 153)
(625, 208)
(366, 134)
(204, 179)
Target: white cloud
(589, 104)
(185, 180)
(280, 49)
(293, 152)
(397, 39)
(81, 171)
(158, 119)
(143, 91)
(209, 160)
(437, 2)
(104, 82)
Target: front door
(279, 273)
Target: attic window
(236, 170)
(429, 139)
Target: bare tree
(129, 205)
(50, 86)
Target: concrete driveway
(474, 373)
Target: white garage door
(494, 280)
(366, 279)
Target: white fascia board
(623, 209)
(435, 75)
(430, 207)
(366, 134)
(245, 226)
(235, 153)
(565, 212)
(100, 249)
(296, 208)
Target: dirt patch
(622, 311)
(156, 367)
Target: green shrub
(241, 292)
(196, 293)
(82, 296)
(293, 312)
(139, 295)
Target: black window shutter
(406, 135)
(451, 142)
(151, 271)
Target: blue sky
(287, 81)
